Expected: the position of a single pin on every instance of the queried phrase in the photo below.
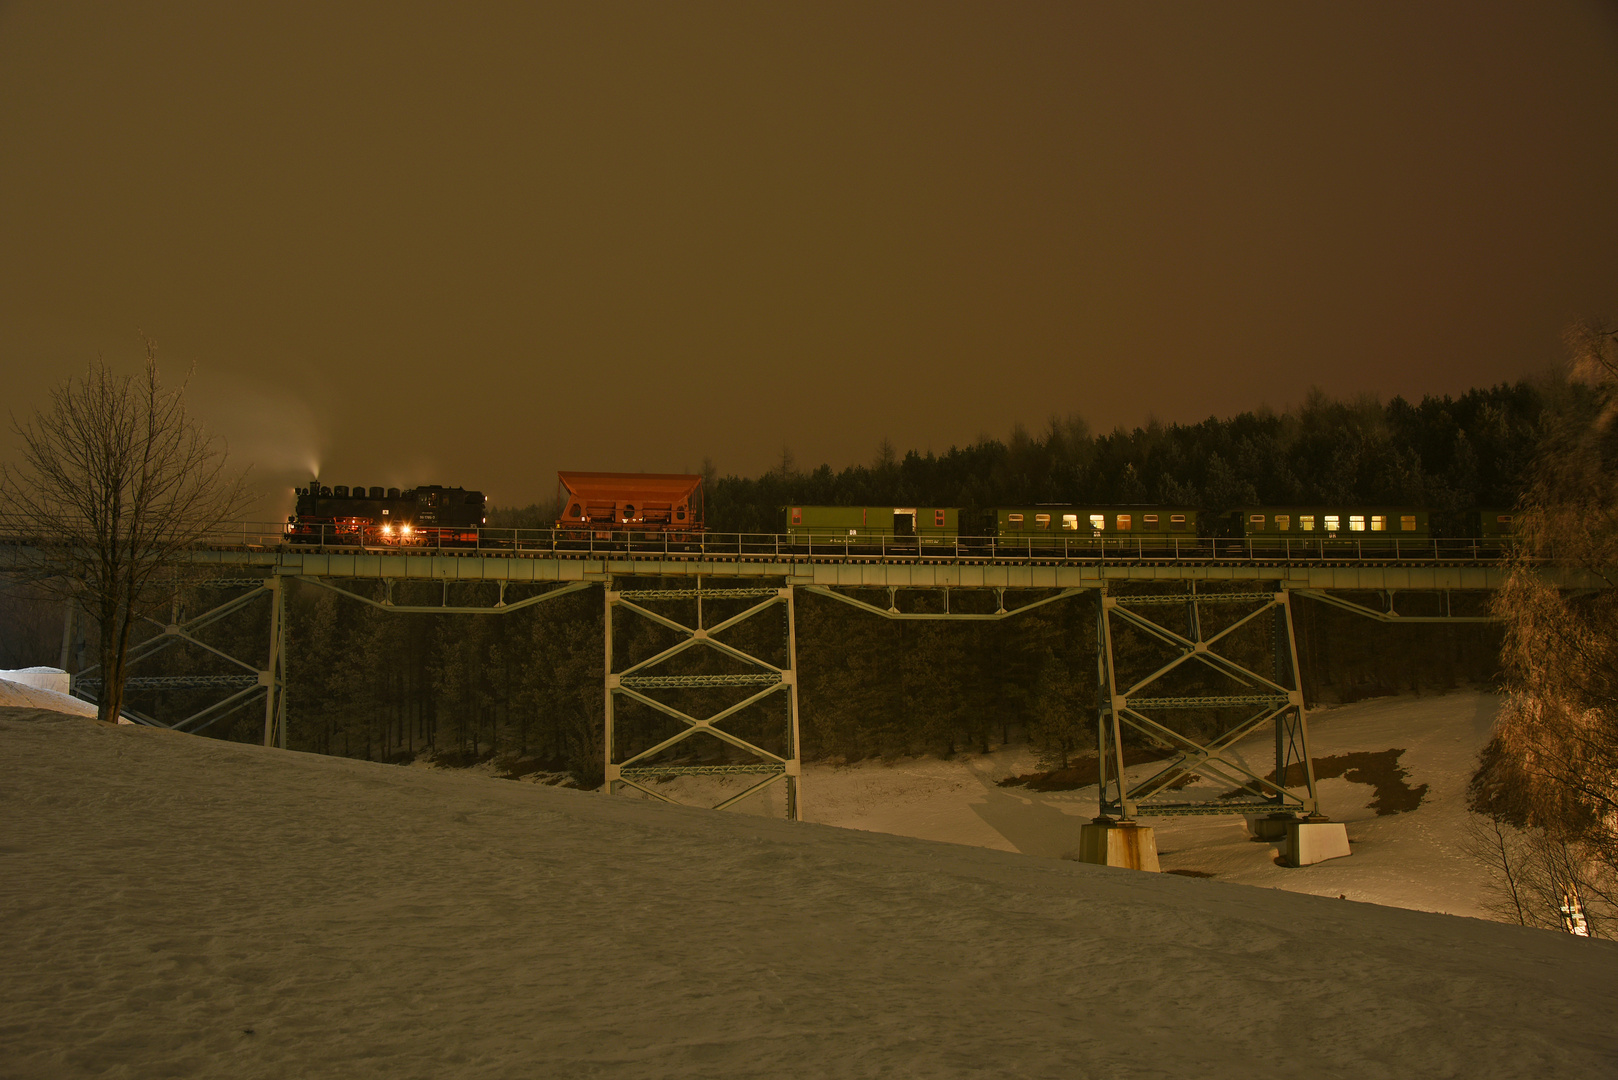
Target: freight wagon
(605, 506)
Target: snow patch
(17, 694)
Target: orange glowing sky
(473, 244)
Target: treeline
(1449, 454)
(526, 685)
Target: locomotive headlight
(387, 530)
(404, 530)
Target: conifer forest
(525, 686)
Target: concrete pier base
(1313, 840)
(1106, 842)
(1273, 827)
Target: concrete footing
(1273, 827)
(1106, 842)
(1313, 840)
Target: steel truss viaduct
(1245, 590)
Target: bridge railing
(576, 543)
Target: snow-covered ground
(176, 906)
(1414, 858)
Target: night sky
(473, 244)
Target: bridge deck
(517, 556)
(891, 571)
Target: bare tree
(117, 483)
(1551, 769)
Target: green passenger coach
(1332, 523)
(863, 524)
(1089, 521)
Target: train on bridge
(603, 508)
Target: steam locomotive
(429, 516)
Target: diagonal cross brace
(697, 725)
(700, 636)
(163, 641)
(1202, 754)
(1199, 650)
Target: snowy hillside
(181, 907)
(1410, 857)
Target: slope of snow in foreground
(175, 906)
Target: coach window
(1379, 523)
(1177, 521)
(1098, 522)
(1042, 521)
(797, 515)
(1149, 522)
(1503, 519)
(1070, 522)
(1255, 523)
(1124, 522)
(1407, 523)
(1306, 523)
(1331, 523)
(1014, 519)
(1356, 523)
(1283, 522)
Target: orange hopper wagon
(630, 502)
